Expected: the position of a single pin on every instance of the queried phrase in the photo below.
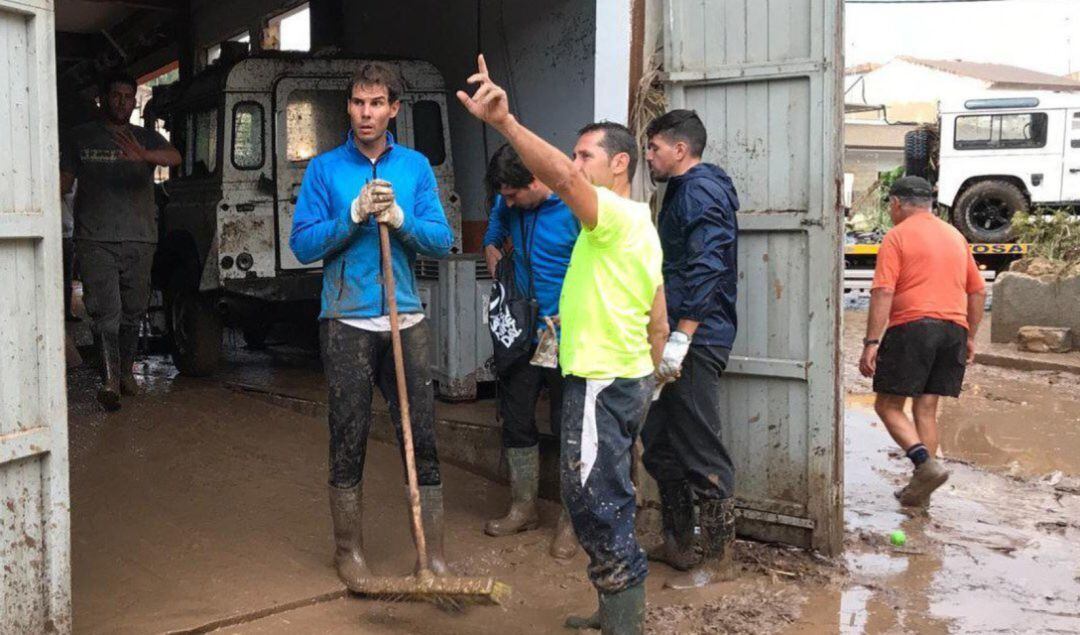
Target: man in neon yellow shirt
(614, 326)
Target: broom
(451, 592)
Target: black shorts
(924, 357)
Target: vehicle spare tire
(984, 211)
(195, 329)
(917, 147)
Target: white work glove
(376, 196)
(674, 352)
(392, 216)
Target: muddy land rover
(247, 129)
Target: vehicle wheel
(917, 145)
(984, 212)
(194, 330)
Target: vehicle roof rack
(1002, 102)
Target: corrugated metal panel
(764, 78)
(34, 525)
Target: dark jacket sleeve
(708, 221)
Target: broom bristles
(446, 591)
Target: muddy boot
(677, 514)
(717, 519)
(564, 543)
(524, 464)
(129, 342)
(431, 515)
(928, 477)
(623, 613)
(347, 511)
(579, 623)
(109, 393)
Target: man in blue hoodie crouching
(684, 451)
(345, 194)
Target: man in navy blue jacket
(345, 194)
(683, 448)
(542, 230)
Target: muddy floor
(199, 508)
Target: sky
(1043, 35)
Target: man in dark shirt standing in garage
(115, 226)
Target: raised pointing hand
(489, 102)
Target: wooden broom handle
(403, 397)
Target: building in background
(909, 87)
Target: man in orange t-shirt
(928, 292)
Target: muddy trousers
(519, 390)
(681, 436)
(601, 420)
(116, 282)
(355, 361)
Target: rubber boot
(524, 466)
(623, 613)
(928, 477)
(347, 512)
(717, 520)
(129, 342)
(677, 514)
(564, 544)
(109, 393)
(580, 623)
(432, 519)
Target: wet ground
(1026, 423)
(200, 507)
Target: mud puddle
(1023, 423)
(993, 554)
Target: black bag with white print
(511, 315)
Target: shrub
(1051, 234)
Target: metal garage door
(764, 76)
(34, 536)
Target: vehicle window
(204, 144)
(428, 134)
(1074, 139)
(247, 149)
(315, 121)
(981, 132)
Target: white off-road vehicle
(247, 129)
(992, 156)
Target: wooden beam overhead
(151, 5)
(79, 46)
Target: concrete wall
(542, 52)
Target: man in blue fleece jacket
(683, 447)
(542, 230)
(345, 194)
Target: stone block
(1023, 300)
(1045, 339)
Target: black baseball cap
(911, 186)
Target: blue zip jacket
(323, 229)
(699, 233)
(552, 230)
